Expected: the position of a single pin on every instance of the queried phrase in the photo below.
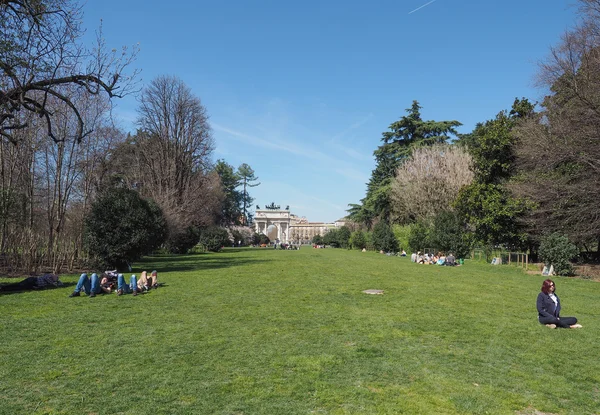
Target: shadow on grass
(189, 262)
(65, 285)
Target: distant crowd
(434, 259)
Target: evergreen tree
(407, 133)
(384, 238)
(247, 178)
(121, 227)
(358, 240)
(343, 237)
(230, 181)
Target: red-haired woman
(548, 306)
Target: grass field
(256, 331)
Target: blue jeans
(88, 285)
(127, 288)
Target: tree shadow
(64, 285)
(202, 261)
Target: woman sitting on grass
(548, 306)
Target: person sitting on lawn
(548, 306)
(91, 286)
(33, 283)
(123, 288)
(450, 260)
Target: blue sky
(301, 91)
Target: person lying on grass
(143, 284)
(91, 285)
(146, 282)
(123, 288)
(33, 283)
(548, 306)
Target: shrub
(384, 238)
(369, 239)
(557, 250)
(121, 227)
(343, 237)
(317, 240)
(264, 239)
(449, 235)
(241, 233)
(331, 238)
(358, 240)
(418, 237)
(255, 239)
(182, 242)
(402, 232)
(213, 238)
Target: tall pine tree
(404, 135)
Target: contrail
(419, 8)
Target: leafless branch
(40, 55)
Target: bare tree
(17, 172)
(429, 181)
(173, 149)
(46, 186)
(558, 154)
(40, 55)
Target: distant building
(280, 224)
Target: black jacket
(546, 307)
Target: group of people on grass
(111, 281)
(108, 282)
(434, 259)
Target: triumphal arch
(281, 225)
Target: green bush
(557, 250)
(343, 237)
(182, 242)
(449, 235)
(369, 239)
(331, 238)
(358, 240)
(402, 233)
(122, 227)
(384, 238)
(418, 238)
(264, 239)
(317, 240)
(255, 239)
(213, 238)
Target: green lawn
(257, 331)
